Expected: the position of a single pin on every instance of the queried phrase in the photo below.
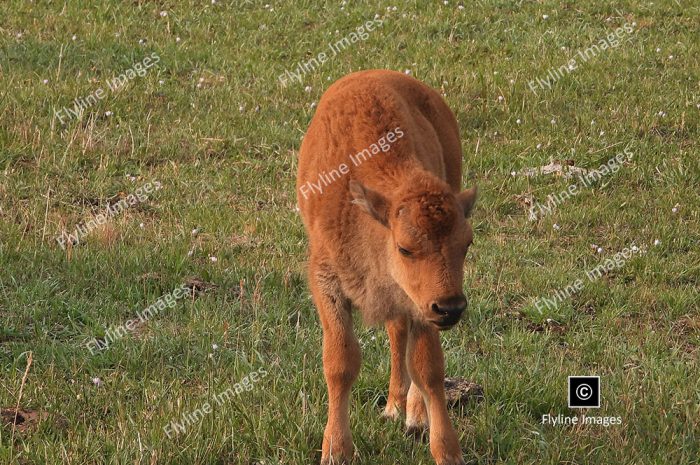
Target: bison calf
(379, 192)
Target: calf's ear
(373, 203)
(467, 199)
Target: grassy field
(211, 125)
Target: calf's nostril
(436, 308)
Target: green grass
(225, 153)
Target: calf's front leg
(426, 366)
(399, 380)
(341, 365)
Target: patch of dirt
(524, 200)
(686, 325)
(459, 392)
(243, 241)
(198, 286)
(151, 276)
(549, 326)
(564, 168)
(22, 419)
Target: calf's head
(427, 237)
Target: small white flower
(500, 98)
(213, 2)
(545, 16)
(407, 71)
(554, 121)
(97, 382)
(177, 39)
(141, 225)
(307, 89)
(195, 231)
(108, 113)
(376, 16)
(213, 259)
(214, 346)
(210, 354)
(313, 105)
(445, 2)
(658, 50)
(556, 227)
(602, 133)
(512, 81)
(513, 173)
(163, 14)
(393, 8)
(539, 146)
(674, 210)
(374, 338)
(592, 122)
(460, 7)
(241, 108)
(201, 79)
(18, 35)
(635, 248)
(74, 37)
(634, 23)
(517, 121)
(599, 250)
(549, 320)
(563, 47)
(190, 253)
(142, 41)
(45, 81)
(657, 242)
(670, 57)
(161, 82)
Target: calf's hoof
(337, 449)
(392, 412)
(451, 460)
(336, 460)
(445, 448)
(418, 433)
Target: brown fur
(407, 197)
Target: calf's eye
(404, 252)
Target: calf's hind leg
(341, 363)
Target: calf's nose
(451, 306)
